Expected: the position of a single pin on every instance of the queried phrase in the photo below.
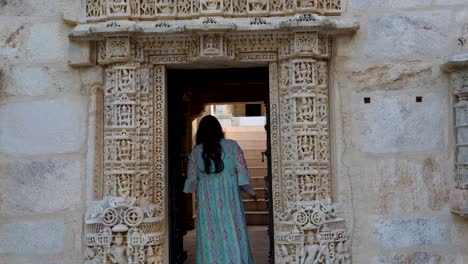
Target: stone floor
(259, 243)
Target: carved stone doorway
(131, 176)
(189, 91)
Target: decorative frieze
(154, 9)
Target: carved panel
(103, 9)
(123, 230)
(128, 225)
(114, 49)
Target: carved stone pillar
(460, 90)
(306, 212)
(127, 223)
(457, 66)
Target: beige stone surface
(396, 187)
(32, 237)
(51, 80)
(43, 131)
(51, 126)
(40, 186)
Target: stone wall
(393, 157)
(43, 134)
(394, 160)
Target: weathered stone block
(451, 2)
(28, 8)
(47, 42)
(12, 32)
(39, 81)
(367, 4)
(80, 53)
(32, 237)
(408, 3)
(409, 36)
(91, 77)
(38, 8)
(419, 258)
(398, 233)
(43, 127)
(394, 122)
(43, 186)
(403, 186)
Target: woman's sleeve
(243, 176)
(192, 176)
(248, 189)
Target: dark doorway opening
(191, 94)
(253, 110)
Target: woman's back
(221, 227)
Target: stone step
(246, 135)
(253, 152)
(255, 206)
(257, 182)
(252, 144)
(261, 194)
(257, 218)
(243, 128)
(258, 171)
(257, 162)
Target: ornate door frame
(129, 218)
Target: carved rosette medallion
(123, 230)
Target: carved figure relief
(99, 9)
(122, 230)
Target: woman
(216, 172)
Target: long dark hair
(209, 134)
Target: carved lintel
(298, 23)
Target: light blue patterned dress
(221, 227)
